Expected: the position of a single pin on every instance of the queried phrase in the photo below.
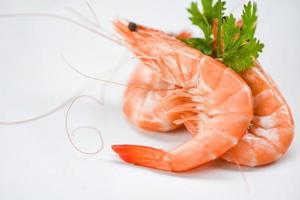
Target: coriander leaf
(235, 45)
(249, 18)
(240, 45)
(249, 24)
(207, 6)
(243, 58)
(238, 60)
(230, 32)
(200, 44)
(216, 8)
(200, 20)
(255, 47)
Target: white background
(37, 160)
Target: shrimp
(269, 134)
(206, 93)
(271, 130)
(146, 108)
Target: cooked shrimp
(272, 128)
(208, 94)
(146, 108)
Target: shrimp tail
(143, 156)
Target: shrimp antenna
(88, 76)
(84, 18)
(46, 114)
(66, 19)
(124, 59)
(94, 14)
(108, 81)
(70, 138)
(81, 16)
(239, 167)
(51, 111)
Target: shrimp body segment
(207, 94)
(272, 128)
(145, 107)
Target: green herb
(199, 19)
(199, 43)
(236, 46)
(204, 21)
(219, 17)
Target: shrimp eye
(132, 26)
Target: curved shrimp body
(207, 94)
(145, 107)
(272, 128)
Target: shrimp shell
(207, 94)
(272, 128)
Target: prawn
(206, 93)
(271, 129)
(146, 108)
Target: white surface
(38, 162)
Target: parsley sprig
(236, 45)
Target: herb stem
(219, 28)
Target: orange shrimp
(271, 130)
(146, 108)
(207, 94)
